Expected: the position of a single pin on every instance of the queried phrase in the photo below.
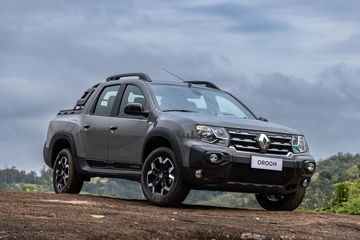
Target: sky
(296, 63)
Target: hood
(233, 122)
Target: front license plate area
(275, 164)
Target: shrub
(346, 199)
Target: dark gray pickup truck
(173, 137)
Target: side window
(132, 94)
(106, 100)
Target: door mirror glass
(134, 109)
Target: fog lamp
(199, 173)
(310, 167)
(213, 157)
(305, 182)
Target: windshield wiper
(224, 114)
(228, 114)
(178, 110)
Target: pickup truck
(173, 137)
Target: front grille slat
(245, 140)
(278, 150)
(244, 173)
(246, 147)
(280, 144)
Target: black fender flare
(170, 137)
(62, 136)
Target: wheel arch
(160, 137)
(58, 142)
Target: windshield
(192, 99)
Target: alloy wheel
(161, 176)
(62, 172)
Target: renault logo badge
(263, 141)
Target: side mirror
(263, 119)
(135, 109)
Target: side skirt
(89, 168)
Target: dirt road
(49, 216)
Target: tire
(281, 202)
(161, 180)
(65, 178)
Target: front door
(126, 142)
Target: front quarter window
(132, 94)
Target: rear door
(95, 128)
(126, 142)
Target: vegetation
(335, 187)
(335, 169)
(346, 199)
(13, 179)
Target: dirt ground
(49, 216)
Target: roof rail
(142, 76)
(205, 83)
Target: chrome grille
(245, 140)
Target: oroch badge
(263, 141)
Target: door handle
(113, 128)
(86, 126)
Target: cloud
(326, 110)
(343, 10)
(288, 71)
(242, 18)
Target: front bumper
(233, 171)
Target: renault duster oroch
(173, 137)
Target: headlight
(214, 135)
(299, 144)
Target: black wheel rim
(161, 176)
(62, 172)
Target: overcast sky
(294, 62)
